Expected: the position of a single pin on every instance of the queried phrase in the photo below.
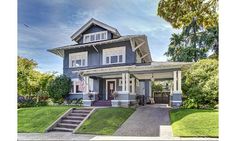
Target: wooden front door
(110, 89)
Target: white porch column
(133, 86)
(87, 83)
(127, 82)
(123, 81)
(74, 86)
(175, 80)
(179, 82)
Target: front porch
(130, 81)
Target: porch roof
(154, 67)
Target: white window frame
(78, 56)
(116, 51)
(95, 35)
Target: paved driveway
(146, 121)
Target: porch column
(179, 82)
(127, 82)
(123, 81)
(175, 80)
(133, 86)
(74, 86)
(87, 83)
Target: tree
(200, 84)
(25, 76)
(180, 13)
(59, 88)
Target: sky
(46, 24)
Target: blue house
(104, 63)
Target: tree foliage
(191, 46)
(201, 84)
(59, 88)
(26, 80)
(180, 13)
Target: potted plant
(115, 94)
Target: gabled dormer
(95, 31)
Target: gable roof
(78, 34)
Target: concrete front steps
(71, 120)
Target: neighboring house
(102, 61)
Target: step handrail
(51, 126)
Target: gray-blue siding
(94, 29)
(95, 58)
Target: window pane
(103, 36)
(83, 62)
(97, 37)
(107, 60)
(114, 59)
(87, 38)
(92, 38)
(73, 63)
(120, 58)
(78, 62)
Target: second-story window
(97, 36)
(78, 59)
(113, 55)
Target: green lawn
(105, 121)
(194, 122)
(37, 119)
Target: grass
(105, 121)
(194, 123)
(37, 119)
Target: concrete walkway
(62, 136)
(53, 136)
(149, 120)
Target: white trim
(133, 86)
(95, 22)
(127, 82)
(179, 81)
(95, 36)
(107, 80)
(138, 46)
(176, 101)
(115, 51)
(78, 56)
(174, 80)
(123, 80)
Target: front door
(110, 89)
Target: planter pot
(87, 103)
(115, 103)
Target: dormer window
(97, 36)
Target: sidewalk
(61, 136)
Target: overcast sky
(45, 24)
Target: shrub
(59, 88)
(201, 84)
(26, 103)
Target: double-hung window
(97, 36)
(114, 55)
(79, 59)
